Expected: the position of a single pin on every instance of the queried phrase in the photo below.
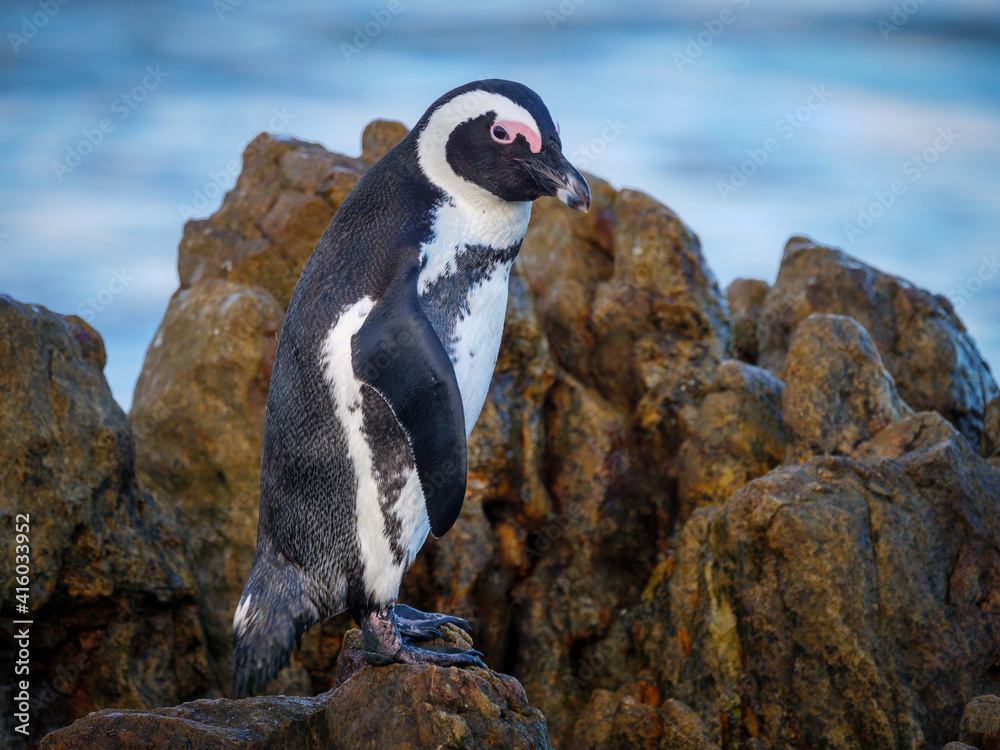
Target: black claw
(408, 617)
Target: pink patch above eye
(514, 129)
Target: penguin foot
(425, 625)
(382, 642)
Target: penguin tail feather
(273, 613)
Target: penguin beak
(556, 176)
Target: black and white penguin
(383, 364)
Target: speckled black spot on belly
(446, 300)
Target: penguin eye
(500, 134)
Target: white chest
(463, 289)
(476, 342)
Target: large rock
(991, 430)
(923, 344)
(746, 298)
(398, 706)
(630, 309)
(735, 436)
(109, 589)
(633, 717)
(844, 602)
(837, 392)
(198, 410)
(980, 726)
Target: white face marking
(381, 574)
(433, 140)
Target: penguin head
(495, 140)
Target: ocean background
(820, 106)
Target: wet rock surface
(764, 519)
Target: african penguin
(383, 364)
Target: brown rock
(746, 298)
(109, 589)
(837, 603)
(736, 436)
(270, 221)
(624, 721)
(588, 560)
(923, 344)
(640, 311)
(379, 138)
(980, 725)
(396, 706)
(198, 410)
(837, 392)
(991, 430)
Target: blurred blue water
(668, 99)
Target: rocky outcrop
(837, 392)
(689, 523)
(398, 706)
(633, 717)
(746, 298)
(980, 726)
(844, 602)
(737, 434)
(110, 591)
(923, 344)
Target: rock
(923, 344)
(837, 392)
(379, 137)
(991, 430)
(736, 436)
(980, 725)
(625, 720)
(631, 311)
(746, 299)
(109, 589)
(958, 746)
(198, 410)
(398, 706)
(846, 601)
(270, 221)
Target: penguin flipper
(398, 354)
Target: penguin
(383, 364)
